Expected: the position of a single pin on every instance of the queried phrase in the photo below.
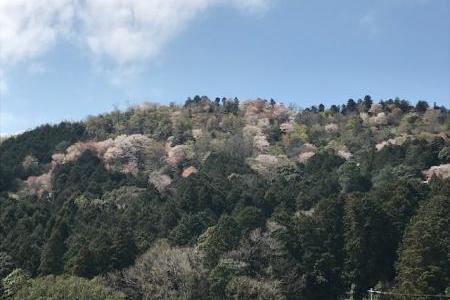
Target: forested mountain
(229, 199)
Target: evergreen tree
(369, 252)
(219, 238)
(123, 248)
(421, 106)
(424, 265)
(351, 105)
(53, 252)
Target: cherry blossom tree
(176, 154)
(39, 184)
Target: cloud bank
(29, 28)
(123, 32)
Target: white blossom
(160, 181)
(265, 163)
(381, 145)
(127, 152)
(442, 171)
(332, 127)
(287, 127)
(381, 119)
(375, 108)
(344, 154)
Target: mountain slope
(227, 199)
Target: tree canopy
(229, 199)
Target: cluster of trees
(338, 213)
(38, 145)
(365, 104)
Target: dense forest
(229, 199)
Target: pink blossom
(302, 157)
(101, 147)
(189, 171)
(58, 158)
(39, 184)
(176, 154)
(442, 171)
(75, 151)
(126, 152)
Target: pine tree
(123, 248)
(424, 264)
(219, 238)
(52, 255)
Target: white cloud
(137, 30)
(131, 31)
(28, 28)
(124, 32)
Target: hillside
(229, 199)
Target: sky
(67, 59)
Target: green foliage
(66, 287)
(14, 282)
(344, 207)
(6, 264)
(369, 251)
(320, 179)
(22, 230)
(421, 106)
(299, 133)
(189, 228)
(6, 177)
(350, 178)
(164, 272)
(219, 238)
(249, 217)
(221, 275)
(41, 143)
(444, 154)
(423, 266)
(52, 254)
(86, 175)
(353, 124)
(148, 119)
(249, 288)
(389, 174)
(314, 243)
(399, 198)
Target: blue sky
(63, 62)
